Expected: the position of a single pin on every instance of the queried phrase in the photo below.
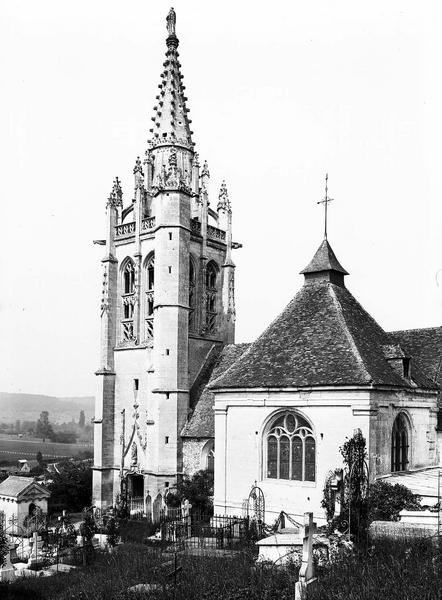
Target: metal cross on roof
(325, 202)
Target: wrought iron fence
(205, 530)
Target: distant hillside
(27, 407)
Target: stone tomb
(19, 497)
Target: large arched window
(192, 282)
(128, 298)
(400, 444)
(150, 281)
(211, 297)
(290, 448)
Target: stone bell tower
(167, 304)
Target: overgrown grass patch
(394, 571)
(391, 571)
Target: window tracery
(211, 297)
(128, 299)
(192, 280)
(291, 448)
(150, 282)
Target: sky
(280, 93)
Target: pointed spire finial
(223, 198)
(138, 168)
(325, 201)
(205, 171)
(116, 196)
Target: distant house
(20, 496)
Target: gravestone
(35, 557)
(7, 571)
(306, 572)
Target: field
(13, 448)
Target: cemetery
(369, 548)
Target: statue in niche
(171, 22)
(133, 455)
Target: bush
(112, 531)
(385, 501)
(198, 490)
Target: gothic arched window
(400, 444)
(128, 298)
(290, 448)
(192, 282)
(150, 281)
(129, 277)
(211, 296)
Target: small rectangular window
(170, 235)
(136, 384)
(167, 395)
(166, 439)
(167, 352)
(170, 269)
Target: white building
(321, 370)
(19, 497)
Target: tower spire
(171, 124)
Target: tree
(72, 487)
(44, 428)
(81, 420)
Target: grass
(392, 572)
(12, 449)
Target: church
(175, 394)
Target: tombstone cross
(306, 572)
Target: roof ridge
(347, 331)
(415, 329)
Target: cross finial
(325, 202)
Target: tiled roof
(323, 337)
(15, 485)
(425, 348)
(201, 423)
(324, 260)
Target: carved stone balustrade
(125, 229)
(215, 233)
(195, 226)
(148, 223)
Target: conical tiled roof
(170, 120)
(324, 260)
(323, 338)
